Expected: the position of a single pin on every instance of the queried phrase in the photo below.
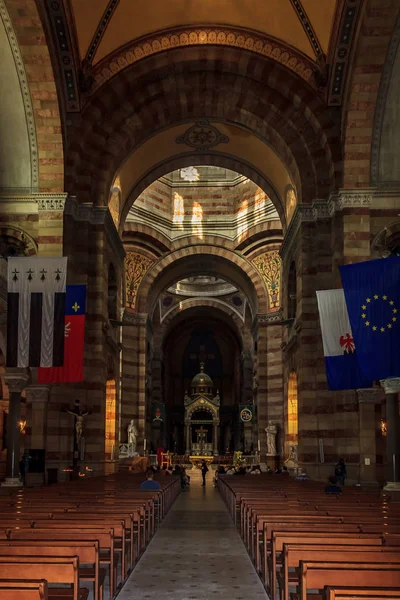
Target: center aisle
(196, 554)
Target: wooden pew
(54, 569)
(23, 589)
(317, 575)
(361, 593)
(87, 553)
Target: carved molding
(370, 395)
(391, 386)
(63, 44)
(135, 318)
(38, 393)
(342, 56)
(51, 202)
(102, 26)
(258, 43)
(96, 215)
(25, 91)
(16, 379)
(270, 319)
(324, 209)
(307, 26)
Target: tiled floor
(195, 555)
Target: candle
(144, 445)
(259, 445)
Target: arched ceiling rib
(103, 26)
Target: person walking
(204, 471)
(341, 471)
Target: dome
(202, 380)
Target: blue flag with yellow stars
(372, 292)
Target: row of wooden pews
(80, 540)
(301, 539)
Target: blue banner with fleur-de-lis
(372, 292)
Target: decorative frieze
(50, 202)
(391, 386)
(135, 318)
(270, 319)
(370, 395)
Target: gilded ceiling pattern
(136, 266)
(269, 266)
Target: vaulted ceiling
(102, 26)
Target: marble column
(16, 380)
(392, 389)
(37, 397)
(367, 399)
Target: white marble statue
(132, 435)
(271, 431)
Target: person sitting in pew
(150, 484)
(333, 488)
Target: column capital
(37, 392)
(370, 395)
(133, 318)
(16, 379)
(391, 386)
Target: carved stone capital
(270, 318)
(16, 379)
(353, 199)
(38, 393)
(370, 395)
(391, 386)
(135, 318)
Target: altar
(201, 417)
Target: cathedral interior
(206, 167)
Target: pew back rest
(23, 589)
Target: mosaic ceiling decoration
(269, 265)
(136, 266)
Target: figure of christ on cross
(78, 429)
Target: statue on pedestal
(187, 398)
(271, 431)
(132, 436)
(217, 398)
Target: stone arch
(191, 303)
(218, 159)
(38, 104)
(384, 165)
(179, 85)
(361, 136)
(8, 233)
(233, 267)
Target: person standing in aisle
(204, 471)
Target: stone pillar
(188, 432)
(37, 397)
(215, 438)
(16, 380)
(367, 399)
(392, 389)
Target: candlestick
(259, 445)
(144, 445)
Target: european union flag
(372, 292)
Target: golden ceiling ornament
(263, 45)
(136, 266)
(269, 265)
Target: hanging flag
(74, 340)
(246, 413)
(35, 311)
(372, 292)
(341, 364)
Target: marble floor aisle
(195, 555)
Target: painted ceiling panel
(87, 15)
(321, 14)
(135, 19)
